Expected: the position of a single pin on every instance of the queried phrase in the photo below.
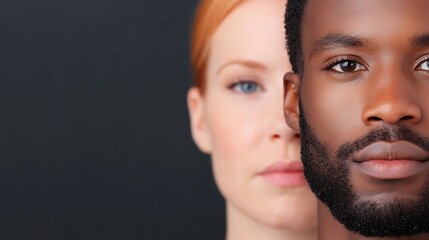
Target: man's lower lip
(392, 169)
(285, 179)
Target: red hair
(208, 17)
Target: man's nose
(392, 99)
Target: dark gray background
(94, 131)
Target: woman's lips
(392, 160)
(285, 174)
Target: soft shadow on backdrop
(94, 131)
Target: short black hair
(293, 22)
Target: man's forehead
(337, 11)
(363, 20)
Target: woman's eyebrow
(335, 40)
(243, 62)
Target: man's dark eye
(348, 66)
(424, 65)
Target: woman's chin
(294, 212)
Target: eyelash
(421, 61)
(333, 62)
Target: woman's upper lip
(399, 150)
(283, 166)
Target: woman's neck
(242, 227)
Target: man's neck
(330, 228)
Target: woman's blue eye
(246, 87)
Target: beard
(327, 173)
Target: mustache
(383, 133)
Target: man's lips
(392, 160)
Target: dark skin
(365, 66)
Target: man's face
(364, 109)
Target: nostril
(392, 110)
(405, 118)
(374, 119)
(297, 135)
(275, 136)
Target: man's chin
(386, 218)
(364, 203)
(386, 198)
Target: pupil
(348, 66)
(248, 87)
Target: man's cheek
(334, 116)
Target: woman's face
(239, 120)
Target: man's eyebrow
(420, 40)
(336, 40)
(243, 62)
